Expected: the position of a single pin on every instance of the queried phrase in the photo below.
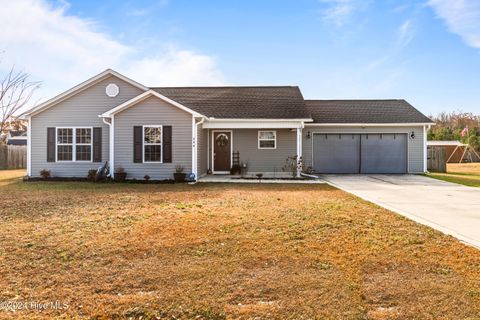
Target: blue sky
(427, 52)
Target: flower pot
(120, 176)
(179, 177)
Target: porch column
(299, 151)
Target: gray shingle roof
(364, 111)
(284, 102)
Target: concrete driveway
(451, 208)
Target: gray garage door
(336, 153)
(360, 153)
(384, 153)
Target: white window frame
(152, 144)
(274, 139)
(74, 144)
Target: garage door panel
(383, 153)
(336, 153)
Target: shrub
(92, 174)
(45, 173)
(292, 164)
(179, 168)
(146, 177)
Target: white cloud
(462, 17)
(338, 11)
(175, 68)
(405, 34)
(62, 50)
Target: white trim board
(253, 124)
(78, 88)
(368, 124)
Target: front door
(222, 151)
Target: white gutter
(368, 124)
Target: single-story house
(16, 138)
(150, 131)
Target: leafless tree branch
(15, 92)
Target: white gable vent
(112, 90)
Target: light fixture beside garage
(412, 135)
(309, 134)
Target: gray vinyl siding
(202, 153)
(80, 110)
(415, 146)
(153, 111)
(245, 141)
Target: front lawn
(462, 173)
(217, 251)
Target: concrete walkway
(238, 179)
(451, 208)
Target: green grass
(467, 174)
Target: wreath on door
(221, 140)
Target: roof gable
(142, 97)
(79, 88)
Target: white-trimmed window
(152, 143)
(74, 144)
(267, 139)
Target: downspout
(425, 152)
(29, 146)
(110, 146)
(195, 148)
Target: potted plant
(45, 174)
(179, 175)
(120, 174)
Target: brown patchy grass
(224, 251)
(462, 173)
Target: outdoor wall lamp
(412, 135)
(309, 135)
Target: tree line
(461, 126)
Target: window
(152, 144)
(267, 139)
(74, 144)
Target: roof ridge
(221, 87)
(354, 100)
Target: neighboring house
(16, 138)
(151, 130)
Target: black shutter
(137, 144)
(167, 144)
(51, 144)
(97, 144)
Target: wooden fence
(13, 157)
(436, 159)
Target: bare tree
(15, 92)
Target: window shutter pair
(138, 144)
(97, 144)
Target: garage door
(384, 153)
(360, 153)
(336, 153)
